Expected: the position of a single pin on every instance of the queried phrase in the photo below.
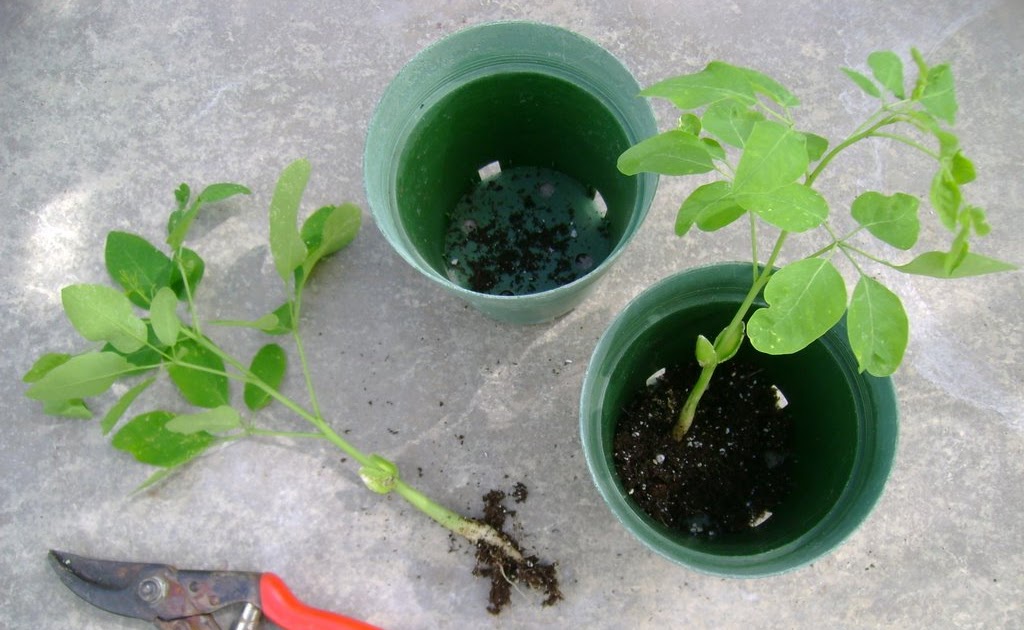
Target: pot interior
(514, 125)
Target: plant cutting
(739, 124)
(150, 326)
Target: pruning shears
(186, 600)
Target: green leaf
(730, 122)
(74, 408)
(217, 420)
(220, 192)
(816, 146)
(933, 264)
(163, 316)
(80, 376)
(44, 365)
(939, 96)
(764, 84)
(946, 198)
(181, 196)
(286, 244)
(957, 251)
(705, 352)
(199, 375)
(774, 156)
(794, 207)
(708, 196)
(891, 219)
(922, 73)
(877, 327)
(138, 266)
(268, 365)
(719, 216)
(975, 216)
(146, 437)
(962, 169)
(728, 342)
(327, 231)
(194, 268)
(863, 82)
(716, 82)
(146, 357)
(674, 152)
(805, 299)
(116, 412)
(689, 123)
(888, 70)
(101, 313)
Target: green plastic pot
(502, 95)
(845, 425)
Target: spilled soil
(505, 572)
(729, 472)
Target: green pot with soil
(490, 166)
(786, 458)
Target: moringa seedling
(738, 123)
(140, 335)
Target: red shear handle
(284, 609)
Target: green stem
(910, 142)
(689, 410)
(193, 313)
(853, 139)
(472, 530)
(301, 349)
(289, 434)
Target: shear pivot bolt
(152, 590)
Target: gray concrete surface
(106, 106)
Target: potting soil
(524, 230)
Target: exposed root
(506, 569)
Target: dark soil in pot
(731, 470)
(524, 230)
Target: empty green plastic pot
(500, 98)
(845, 425)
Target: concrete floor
(107, 106)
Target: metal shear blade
(155, 592)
